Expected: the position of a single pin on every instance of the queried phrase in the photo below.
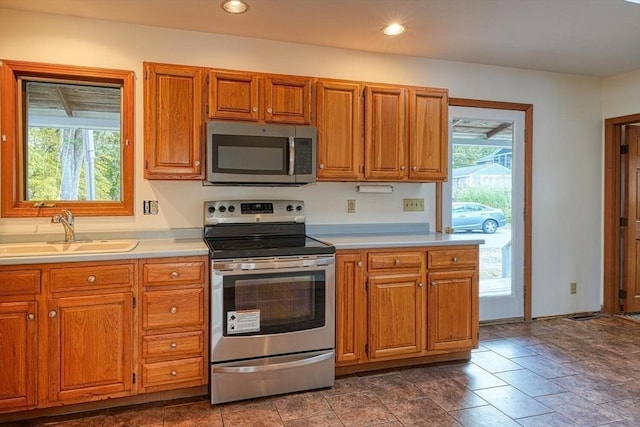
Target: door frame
(611, 210)
(528, 173)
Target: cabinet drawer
(168, 309)
(174, 273)
(16, 282)
(394, 260)
(452, 258)
(170, 345)
(173, 371)
(87, 277)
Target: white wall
(621, 95)
(567, 137)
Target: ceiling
(589, 37)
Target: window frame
(11, 118)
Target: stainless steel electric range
(272, 300)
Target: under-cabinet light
(374, 188)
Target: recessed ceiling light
(234, 6)
(394, 29)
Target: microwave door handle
(292, 155)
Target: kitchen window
(67, 140)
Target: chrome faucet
(66, 219)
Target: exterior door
(491, 173)
(631, 233)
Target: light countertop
(396, 240)
(146, 248)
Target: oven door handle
(273, 367)
(274, 264)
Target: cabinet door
(287, 100)
(91, 346)
(428, 138)
(453, 310)
(385, 133)
(350, 315)
(173, 122)
(395, 315)
(18, 352)
(339, 124)
(233, 96)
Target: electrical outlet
(573, 287)
(412, 205)
(351, 206)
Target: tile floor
(546, 373)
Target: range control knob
(222, 209)
(298, 208)
(289, 208)
(211, 209)
(232, 208)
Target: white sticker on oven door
(242, 321)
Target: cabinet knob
(397, 262)
(321, 166)
(434, 283)
(53, 313)
(197, 163)
(173, 310)
(174, 345)
(415, 168)
(403, 167)
(420, 284)
(359, 264)
(31, 316)
(269, 110)
(454, 259)
(174, 274)
(91, 279)
(254, 109)
(174, 374)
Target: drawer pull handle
(173, 310)
(454, 259)
(434, 283)
(174, 374)
(53, 313)
(91, 279)
(174, 345)
(397, 262)
(174, 274)
(31, 316)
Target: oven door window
(264, 304)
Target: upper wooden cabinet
(428, 134)
(381, 132)
(385, 133)
(339, 125)
(233, 96)
(259, 97)
(173, 122)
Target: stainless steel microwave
(262, 154)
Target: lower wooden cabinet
(18, 352)
(84, 331)
(91, 346)
(174, 319)
(405, 303)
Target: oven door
(274, 306)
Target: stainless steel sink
(64, 248)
